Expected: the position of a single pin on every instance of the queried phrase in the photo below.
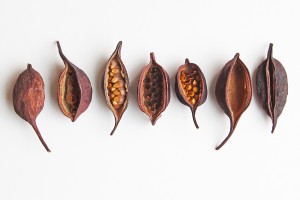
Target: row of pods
(233, 90)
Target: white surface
(173, 160)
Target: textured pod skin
(190, 87)
(153, 90)
(272, 86)
(115, 85)
(74, 93)
(233, 92)
(29, 98)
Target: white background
(172, 160)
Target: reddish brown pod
(74, 93)
(29, 98)
(115, 85)
(272, 86)
(190, 87)
(233, 92)
(153, 90)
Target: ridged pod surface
(272, 86)
(233, 92)
(153, 90)
(29, 98)
(115, 85)
(74, 93)
(190, 87)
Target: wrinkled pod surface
(233, 92)
(153, 90)
(190, 87)
(272, 86)
(29, 98)
(115, 85)
(74, 93)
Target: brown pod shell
(74, 93)
(272, 86)
(233, 92)
(190, 87)
(29, 98)
(115, 85)
(153, 90)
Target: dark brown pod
(74, 93)
(153, 90)
(272, 86)
(29, 98)
(115, 85)
(233, 92)
(190, 87)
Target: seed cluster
(191, 84)
(153, 90)
(72, 94)
(117, 86)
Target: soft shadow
(54, 77)
(99, 79)
(10, 86)
(212, 88)
(254, 88)
(134, 82)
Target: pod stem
(34, 126)
(232, 127)
(115, 127)
(194, 117)
(274, 124)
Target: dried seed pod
(233, 92)
(272, 86)
(29, 98)
(153, 90)
(191, 91)
(74, 89)
(115, 85)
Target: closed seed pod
(233, 92)
(115, 85)
(153, 90)
(272, 86)
(74, 93)
(29, 98)
(190, 87)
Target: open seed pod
(74, 89)
(29, 98)
(153, 90)
(115, 85)
(272, 86)
(233, 92)
(190, 87)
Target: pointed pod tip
(153, 122)
(152, 57)
(29, 66)
(270, 51)
(273, 128)
(187, 61)
(237, 55)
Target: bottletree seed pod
(115, 85)
(190, 87)
(153, 90)
(74, 89)
(29, 98)
(272, 86)
(233, 92)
